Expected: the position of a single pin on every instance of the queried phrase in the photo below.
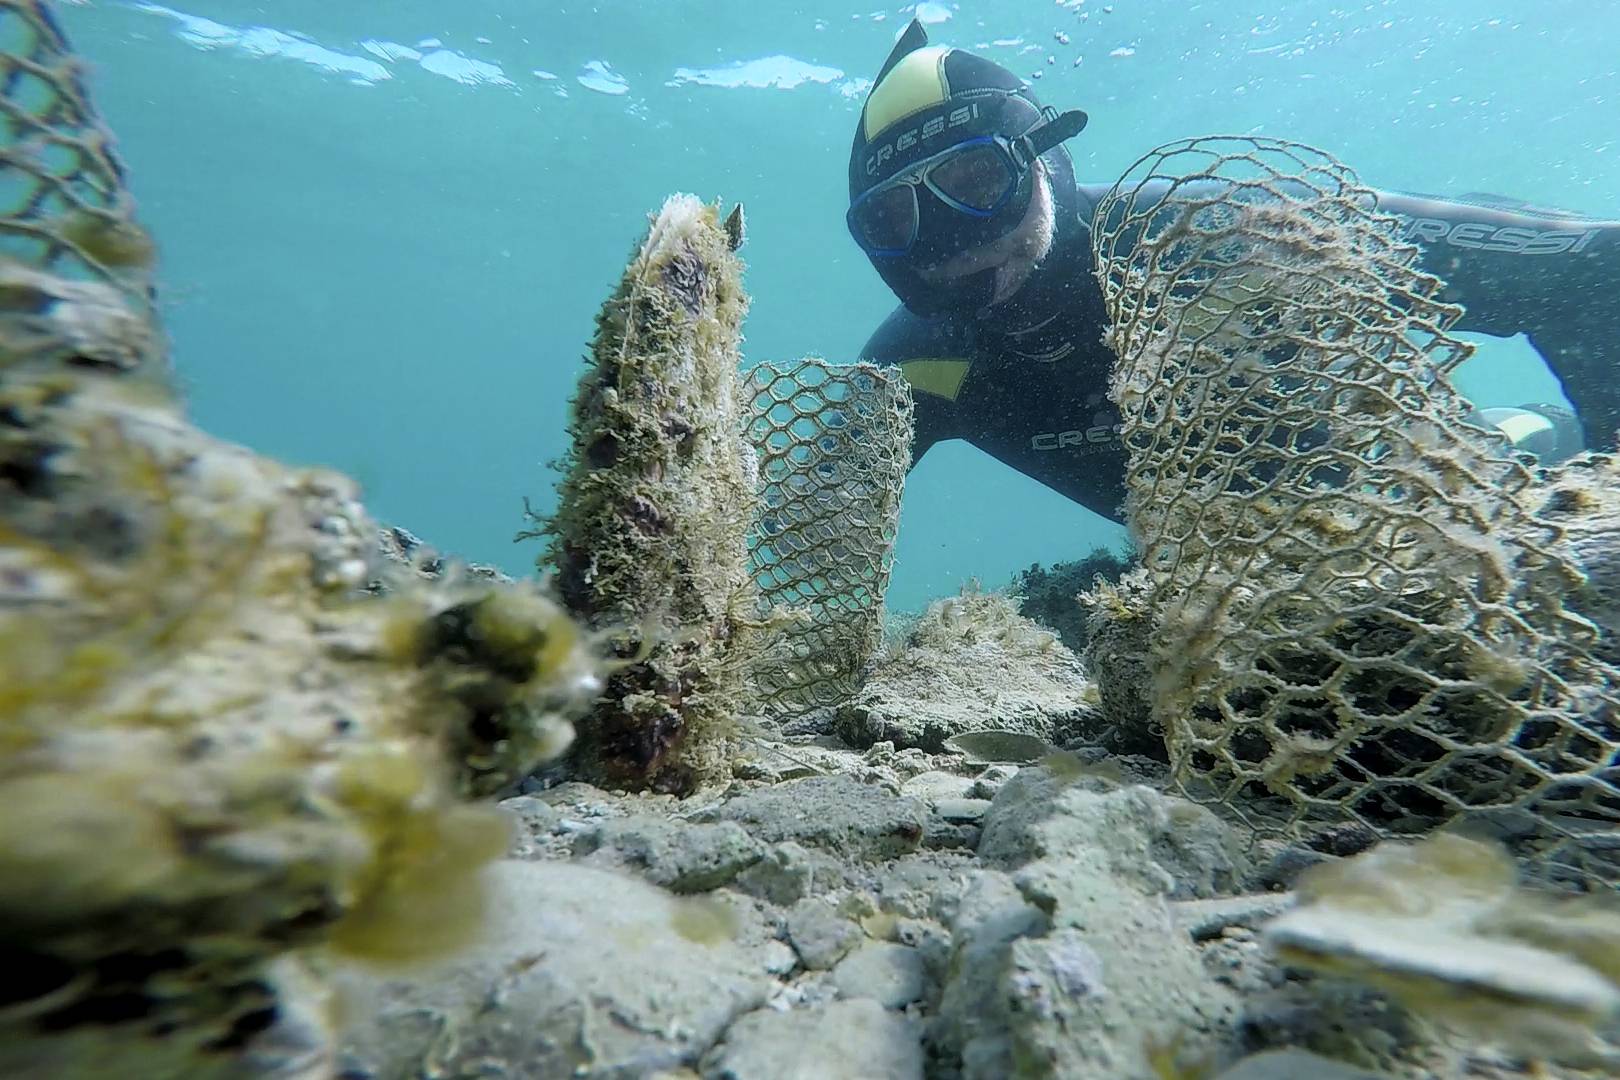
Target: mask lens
(978, 178)
(887, 220)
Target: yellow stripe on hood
(916, 83)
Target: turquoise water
(386, 229)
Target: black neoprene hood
(978, 104)
(942, 97)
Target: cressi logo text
(921, 133)
(1096, 435)
(1482, 237)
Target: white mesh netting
(834, 443)
(64, 207)
(1360, 612)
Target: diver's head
(957, 179)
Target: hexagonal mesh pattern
(834, 443)
(1359, 610)
(63, 202)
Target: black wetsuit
(1028, 383)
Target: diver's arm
(926, 352)
(1510, 264)
(1550, 275)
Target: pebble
(1207, 919)
(784, 876)
(962, 810)
(891, 975)
(1294, 1065)
(820, 935)
(846, 1040)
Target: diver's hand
(1550, 432)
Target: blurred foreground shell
(219, 756)
(1444, 928)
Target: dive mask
(977, 177)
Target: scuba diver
(964, 199)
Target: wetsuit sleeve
(930, 355)
(1550, 275)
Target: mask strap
(1054, 128)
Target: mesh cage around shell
(64, 206)
(1359, 612)
(834, 444)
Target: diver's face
(1014, 256)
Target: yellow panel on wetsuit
(942, 378)
(917, 82)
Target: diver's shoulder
(1091, 194)
(905, 335)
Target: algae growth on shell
(730, 533)
(650, 539)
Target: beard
(1014, 256)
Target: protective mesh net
(834, 443)
(1359, 611)
(64, 207)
